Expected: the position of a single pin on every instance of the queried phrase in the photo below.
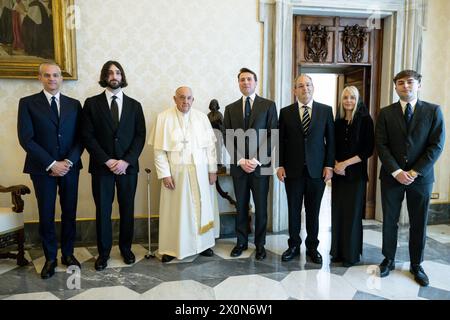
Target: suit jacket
(103, 142)
(417, 148)
(263, 116)
(44, 138)
(316, 150)
(356, 139)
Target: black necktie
(248, 111)
(115, 111)
(54, 107)
(408, 114)
(306, 121)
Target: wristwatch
(413, 173)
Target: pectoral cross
(184, 149)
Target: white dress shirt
(49, 96)
(119, 100)
(49, 99)
(413, 107)
(309, 105)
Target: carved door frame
(277, 17)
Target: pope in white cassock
(185, 160)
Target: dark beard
(114, 86)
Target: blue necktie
(248, 111)
(54, 107)
(408, 115)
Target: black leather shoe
(128, 257)
(49, 269)
(207, 253)
(166, 258)
(101, 263)
(419, 275)
(260, 253)
(315, 256)
(237, 250)
(70, 261)
(385, 267)
(290, 253)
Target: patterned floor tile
(317, 285)
(33, 296)
(179, 290)
(250, 287)
(440, 233)
(108, 293)
(11, 264)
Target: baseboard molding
(439, 213)
(86, 230)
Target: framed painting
(34, 31)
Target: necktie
(306, 120)
(248, 111)
(115, 111)
(54, 107)
(408, 114)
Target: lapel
(126, 112)
(398, 112)
(102, 103)
(315, 116)
(418, 114)
(64, 108)
(238, 114)
(294, 114)
(42, 103)
(254, 112)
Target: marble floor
(224, 278)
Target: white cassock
(184, 146)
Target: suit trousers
(46, 188)
(259, 186)
(417, 200)
(311, 190)
(103, 189)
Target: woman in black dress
(354, 136)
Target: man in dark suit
(250, 158)
(49, 130)
(409, 136)
(306, 164)
(114, 135)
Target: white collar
(309, 104)
(109, 94)
(412, 103)
(252, 97)
(49, 96)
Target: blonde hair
(353, 91)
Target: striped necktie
(306, 120)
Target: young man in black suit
(409, 137)
(49, 131)
(114, 135)
(306, 164)
(250, 158)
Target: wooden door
(343, 46)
